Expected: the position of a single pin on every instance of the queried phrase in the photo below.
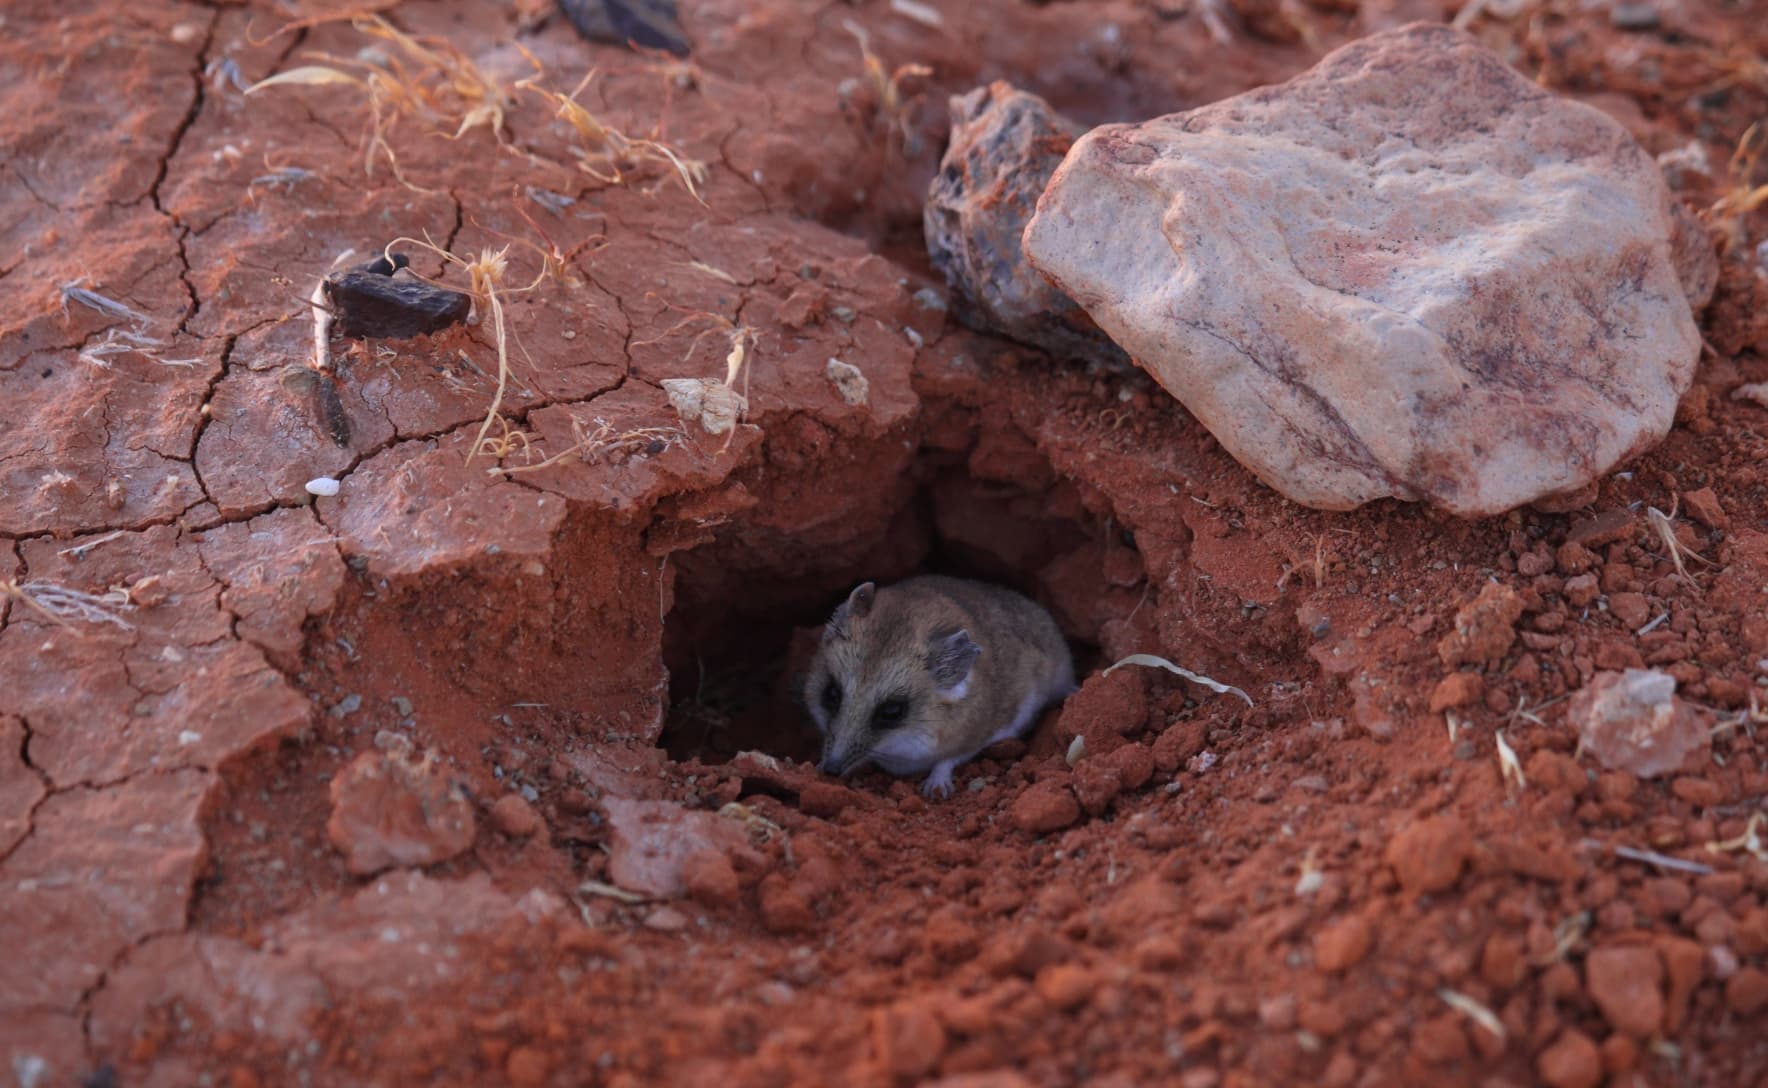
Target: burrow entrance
(537, 676)
(737, 649)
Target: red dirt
(1312, 890)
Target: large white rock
(1407, 272)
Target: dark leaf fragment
(321, 392)
(653, 24)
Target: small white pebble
(187, 738)
(569, 334)
(323, 486)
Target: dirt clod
(1428, 855)
(710, 878)
(908, 1040)
(1045, 807)
(1484, 628)
(785, 909)
(1343, 944)
(1066, 986)
(1573, 1061)
(1625, 984)
(1746, 992)
(515, 817)
(1457, 689)
(394, 809)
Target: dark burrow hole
(737, 657)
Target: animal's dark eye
(831, 696)
(890, 712)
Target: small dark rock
(385, 265)
(371, 302)
(653, 24)
(1005, 145)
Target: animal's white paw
(939, 784)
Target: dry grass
(1745, 196)
(596, 440)
(604, 152)
(485, 283)
(427, 80)
(887, 85)
(1474, 1011)
(1665, 527)
(430, 83)
(134, 340)
(1567, 935)
(1509, 767)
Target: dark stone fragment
(653, 24)
(371, 305)
(1628, 16)
(1005, 144)
(382, 266)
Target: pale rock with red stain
(1407, 272)
(398, 809)
(1633, 721)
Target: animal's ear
(857, 606)
(950, 655)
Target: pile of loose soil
(573, 636)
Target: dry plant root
(486, 273)
(592, 443)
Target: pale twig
(1473, 1010)
(78, 551)
(1151, 661)
(1650, 857)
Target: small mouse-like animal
(924, 674)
